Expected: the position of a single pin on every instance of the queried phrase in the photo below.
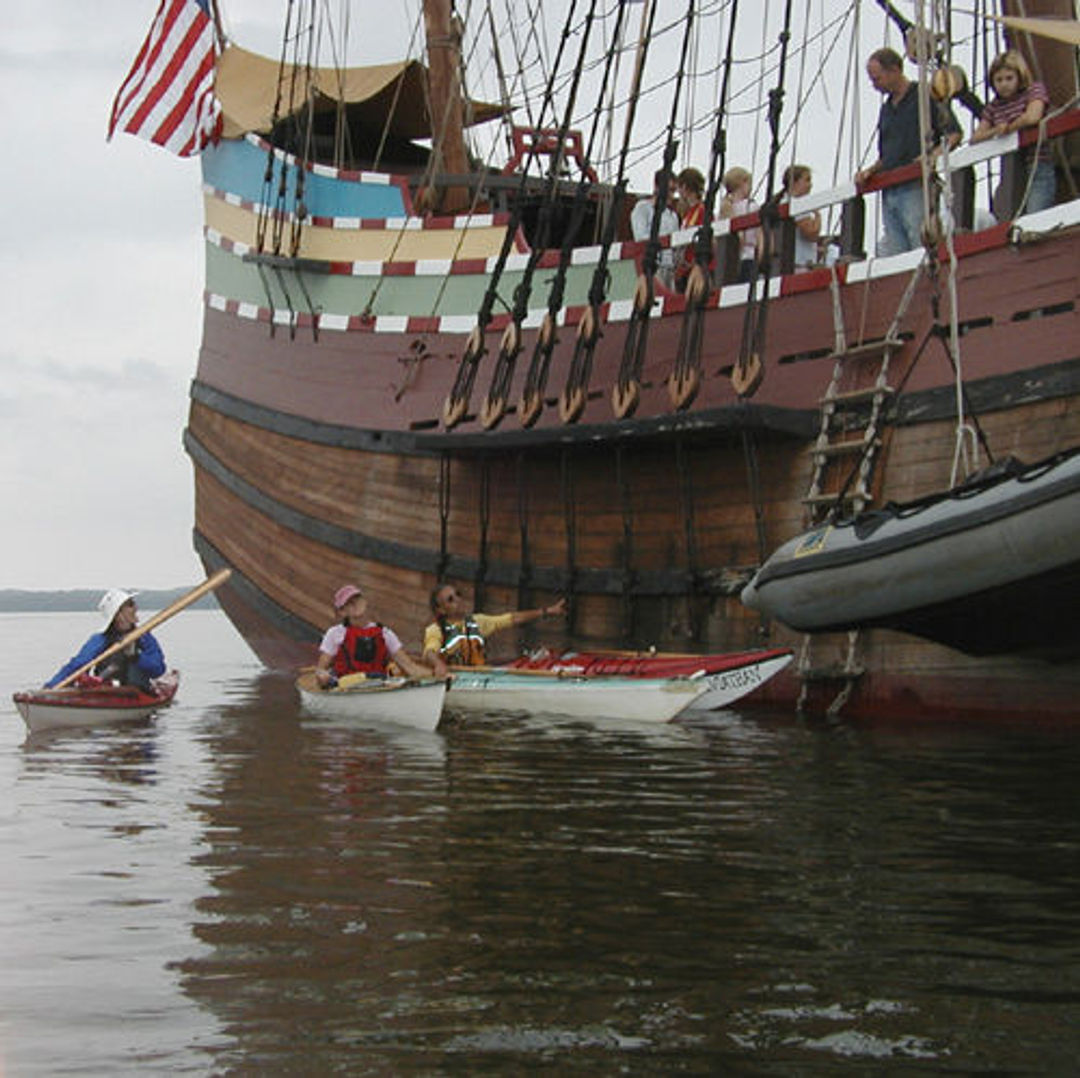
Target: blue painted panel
(238, 167)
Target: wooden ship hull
(322, 453)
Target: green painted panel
(461, 294)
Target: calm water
(228, 889)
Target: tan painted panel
(363, 244)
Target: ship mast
(443, 30)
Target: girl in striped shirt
(1019, 102)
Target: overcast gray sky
(101, 273)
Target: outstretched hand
(557, 609)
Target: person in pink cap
(357, 645)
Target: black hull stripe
(288, 624)
(785, 422)
(661, 582)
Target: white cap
(111, 602)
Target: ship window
(974, 323)
(799, 357)
(1043, 312)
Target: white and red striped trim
(462, 222)
(615, 311)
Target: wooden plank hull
(321, 454)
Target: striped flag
(168, 96)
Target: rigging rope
(575, 391)
(510, 348)
(685, 378)
(457, 402)
(749, 369)
(532, 397)
(626, 392)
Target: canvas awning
(1067, 30)
(394, 94)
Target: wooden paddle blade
(192, 596)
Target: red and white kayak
(728, 676)
(55, 709)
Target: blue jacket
(149, 657)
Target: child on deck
(690, 184)
(736, 203)
(1019, 102)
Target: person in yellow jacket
(459, 637)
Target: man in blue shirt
(900, 143)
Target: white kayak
(57, 709)
(417, 703)
(638, 699)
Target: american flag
(168, 96)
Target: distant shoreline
(21, 601)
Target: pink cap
(344, 594)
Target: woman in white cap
(137, 664)
(357, 645)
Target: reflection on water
(260, 893)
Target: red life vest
(363, 651)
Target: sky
(101, 274)
(101, 278)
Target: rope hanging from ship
(687, 508)
(444, 516)
(685, 378)
(427, 178)
(626, 393)
(532, 395)
(576, 387)
(749, 369)
(483, 531)
(494, 407)
(273, 209)
(566, 486)
(425, 182)
(457, 402)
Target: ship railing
(848, 239)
